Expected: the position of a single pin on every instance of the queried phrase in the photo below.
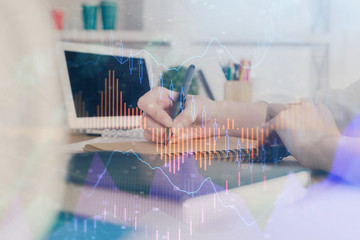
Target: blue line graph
(208, 179)
(123, 60)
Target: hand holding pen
(163, 109)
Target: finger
(273, 131)
(168, 99)
(156, 135)
(274, 109)
(269, 128)
(164, 97)
(160, 131)
(275, 123)
(184, 119)
(271, 123)
(148, 104)
(152, 124)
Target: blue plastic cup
(89, 16)
(108, 14)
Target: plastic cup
(108, 14)
(89, 16)
(58, 16)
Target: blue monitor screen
(105, 85)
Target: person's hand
(158, 104)
(304, 128)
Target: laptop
(102, 85)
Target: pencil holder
(238, 91)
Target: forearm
(236, 117)
(339, 156)
(346, 158)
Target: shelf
(299, 41)
(107, 36)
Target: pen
(236, 71)
(229, 73)
(243, 69)
(180, 103)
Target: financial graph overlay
(202, 142)
(107, 86)
(124, 187)
(100, 86)
(111, 104)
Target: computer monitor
(103, 84)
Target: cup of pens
(237, 71)
(238, 86)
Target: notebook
(226, 148)
(116, 166)
(148, 176)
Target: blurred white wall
(31, 122)
(297, 46)
(345, 41)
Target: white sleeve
(344, 104)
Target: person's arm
(338, 155)
(312, 137)
(346, 162)
(244, 115)
(157, 106)
(309, 133)
(342, 103)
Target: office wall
(129, 17)
(277, 36)
(345, 39)
(297, 46)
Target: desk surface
(254, 211)
(78, 137)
